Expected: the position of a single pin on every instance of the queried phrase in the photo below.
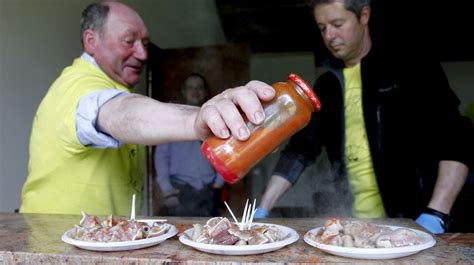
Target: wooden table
(463, 242)
(36, 238)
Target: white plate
(372, 253)
(290, 237)
(119, 246)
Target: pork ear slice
(258, 239)
(241, 234)
(399, 237)
(273, 233)
(213, 221)
(197, 231)
(241, 243)
(347, 241)
(90, 221)
(222, 225)
(224, 238)
(156, 230)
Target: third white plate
(372, 253)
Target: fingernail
(224, 133)
(244, 132)
(268, 92)
(258, 116)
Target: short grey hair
(355, 6)
(94, 17)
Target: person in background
(193, 189)
(394, 133)
(86, 150)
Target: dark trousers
(192, 202)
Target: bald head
(94, 16)
(116, 36)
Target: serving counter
(36, 238)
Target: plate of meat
(117, 233)
(363, 240)
(220, 236)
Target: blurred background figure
(189, 185)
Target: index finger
(249, 99)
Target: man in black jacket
(393, 133)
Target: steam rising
(320, 191)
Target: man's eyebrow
(131, 32)
(336, 20)
(134, 33)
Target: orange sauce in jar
(288, 112)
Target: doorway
(223, 66)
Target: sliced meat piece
(399, 237)
(222, 225)
(258, 239)
(225, 238)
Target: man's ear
(365, 15)
(90, 41)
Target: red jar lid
(307, 90)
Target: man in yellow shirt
(84, 147)
(402, 154)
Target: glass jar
(288, 112)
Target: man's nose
(328, 34)
(141, 52)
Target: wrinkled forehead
(125, 19)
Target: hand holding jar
(288, 112)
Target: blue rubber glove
(431, 223)
(260, 213)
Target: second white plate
(290, 237)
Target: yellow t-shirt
(469, 111)
(66, 177)
(367, 200)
